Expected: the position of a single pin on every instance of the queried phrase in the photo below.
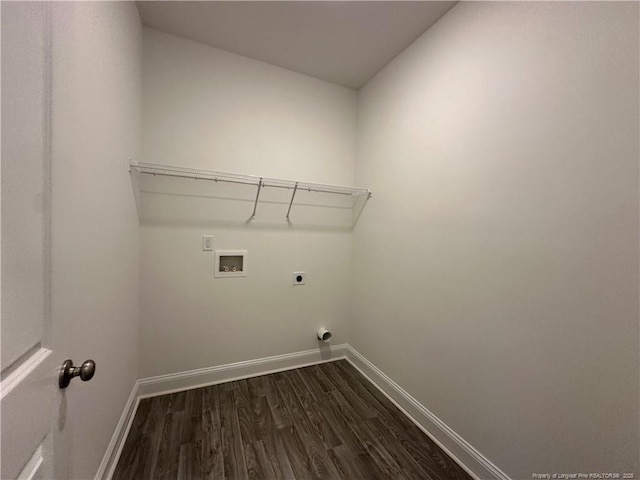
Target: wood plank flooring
(320, 422)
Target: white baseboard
(470, 459)
(111, 456)
(176, 382)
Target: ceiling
(344, 42)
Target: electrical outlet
(207, 242)
(298, 278)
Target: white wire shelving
(359, 194)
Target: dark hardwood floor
(319, 422)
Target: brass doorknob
(68, 371)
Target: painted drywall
(209, 109)
(496, 273)
(96, 104)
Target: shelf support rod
(295, 188)
(255, 205)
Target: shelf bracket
(255, 205)
(295, 188)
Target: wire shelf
(357, 193)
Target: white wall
(209, 109)
(96, 102)
(496, 272)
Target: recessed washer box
(230, 263)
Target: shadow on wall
(325, 350)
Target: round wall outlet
(298, 278)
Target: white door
(32, 404)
